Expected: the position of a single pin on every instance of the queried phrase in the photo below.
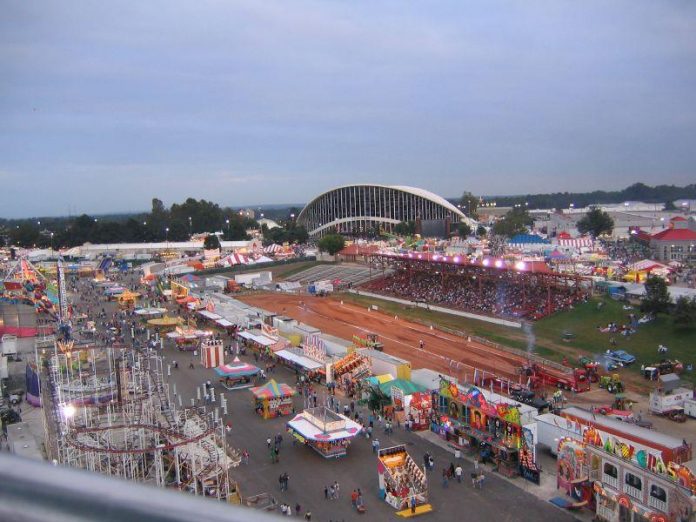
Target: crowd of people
(507, 294)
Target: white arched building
(360, 209)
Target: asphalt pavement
(309, 472)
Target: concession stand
(237, 375)
(326, 432)
(273, 399)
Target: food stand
(326, 432)
(238, 375)
(401, 480)
(273, 399)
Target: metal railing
(610, 481)
(658, 504)
(633, 492)
(35, 491)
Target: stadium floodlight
(521, 265)
(456, 259)
(498, 263)
(486, 262)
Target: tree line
(658, 194)
(176, 223)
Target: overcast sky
(104, 105)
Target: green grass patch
(584, 319)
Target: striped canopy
(273, 390)
(237, 370)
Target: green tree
(464, 229)
(481, 231)
(469, 204)
(514, 222)
(405, 228)
(211, 242)
(656, 299)
(24, 235)
(684, 313)
(596, 222)
(331, 243)
(670, 206)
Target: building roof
(411, 190)
(639, 432)
(408, 387)
(675, 234)
(527, 239)
(678, 218)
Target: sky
(105, 105)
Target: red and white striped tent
(234, 259)
(212, 353)
(577, 242)
(272, 249)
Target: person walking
(413, 504)
(354, 498)
(337, 489)
(326, 492)
(458, 473)
(445, 481)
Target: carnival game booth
(398, 393)
(188, 339)
(401, 480)
(419, 410)
(493, 430)
(326, 432)
(297, 360)
(273, 399)
(237, 375)
(257, 342)
(212, 353)
(350, 369)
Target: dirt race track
(442, 352)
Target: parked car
(620, 356)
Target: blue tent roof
(525, 239)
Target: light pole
(190, 227)
(166, 236)
(51, 242)
(228, 226)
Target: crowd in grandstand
(507, 293)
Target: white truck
(9, 345)
(690, 407)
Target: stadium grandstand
(366, 209)
(490, 287)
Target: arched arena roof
(370, 205)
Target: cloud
(245, 102)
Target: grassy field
(582, 321)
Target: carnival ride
(24, 284)
(118, 419)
